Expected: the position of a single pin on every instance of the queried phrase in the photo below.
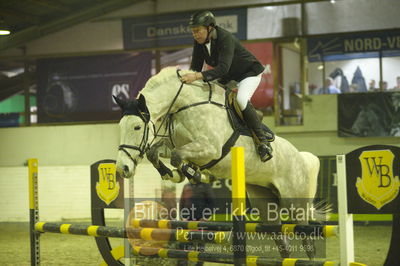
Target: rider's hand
(189, 78)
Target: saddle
(236, 118)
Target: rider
(231, 61)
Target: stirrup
(265, 152)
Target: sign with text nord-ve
(355, 45)
(172, 29)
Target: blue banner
(352, 46)
(172, 29)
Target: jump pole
(238, 206)
(346, 234)
(316, 230)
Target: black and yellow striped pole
(224, 258)
(33, 210)
(238, 206)
(198, 231)
(251, 227)
(149, 234)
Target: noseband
(142, 148)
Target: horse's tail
(322, 211)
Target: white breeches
(246, 89)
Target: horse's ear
(120, 102)
(143, 107)
(141, 100)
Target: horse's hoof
(207, 177)
(177, 177)
(309, 246)
(284, 251)
(176, 159)
(283, 247)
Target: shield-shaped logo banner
(107, 188)
(377, 185)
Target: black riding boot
(254, 123)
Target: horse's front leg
(152, 155)
(182, 158)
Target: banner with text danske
(172, 29)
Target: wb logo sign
(107, 188)
(377, 185)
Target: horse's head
(362, 124)
(134, 135)
(369, 122)
(396, 101)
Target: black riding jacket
(231, 61)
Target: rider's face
(199, 34)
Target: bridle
(144, 146)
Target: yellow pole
(238, 206)
(238, 181)
(33, 174)
(33, 210)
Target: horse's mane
(166, 83)
(162, 77)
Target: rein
(209, 101)
(200, 103)
(169, 108)
(169, 115)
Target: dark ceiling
(32, 19)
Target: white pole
(345, 219)
(128, 198)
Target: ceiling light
(269, 7)
(333, 1)
(4, 31)
(320, 67)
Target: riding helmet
(202, 18)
